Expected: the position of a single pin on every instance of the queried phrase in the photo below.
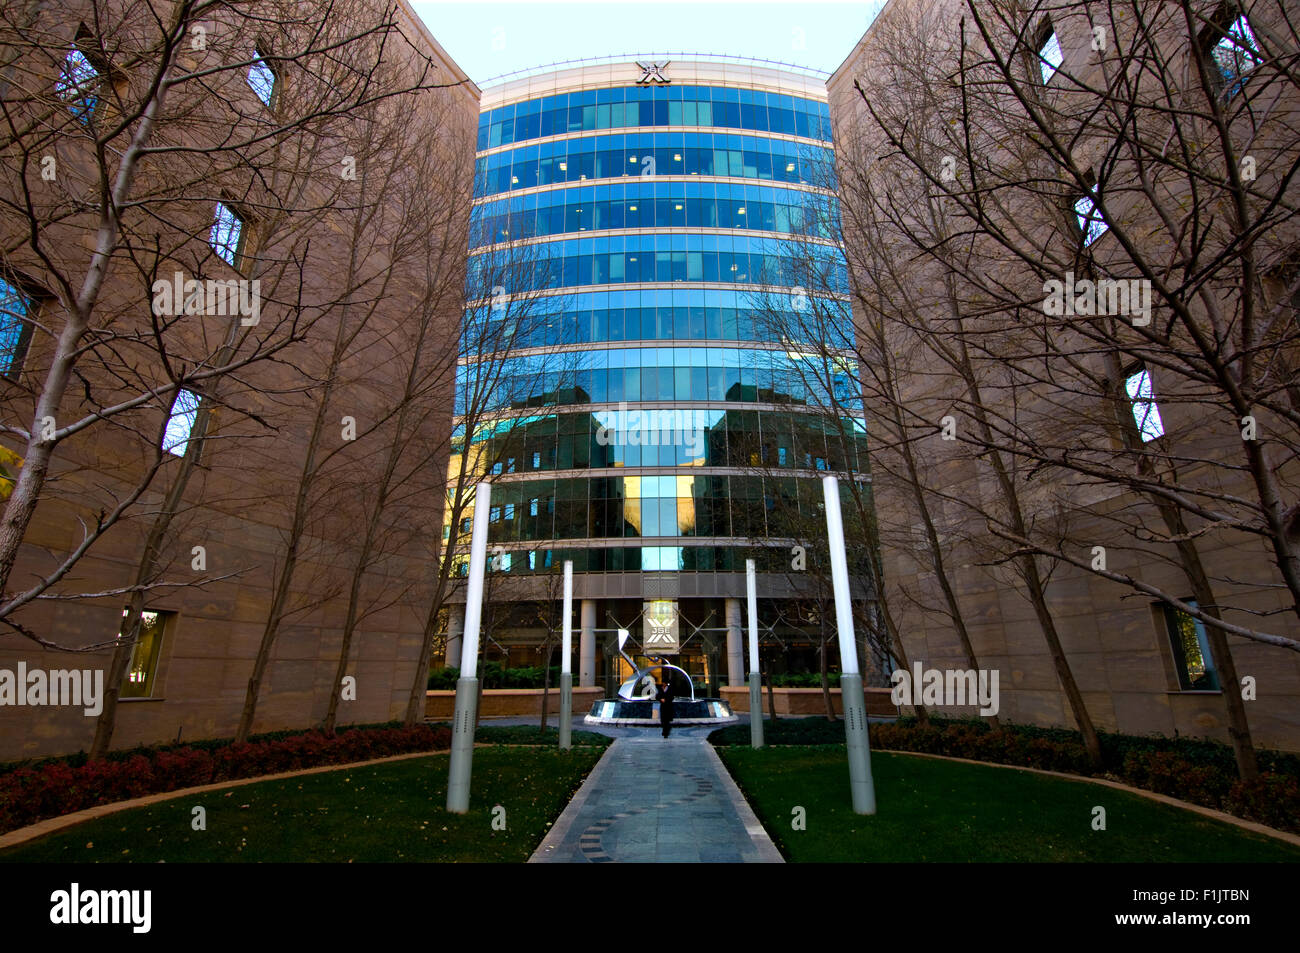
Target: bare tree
(505, 355)
(121, 137)
(998, 172)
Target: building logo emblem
(653, 73)
(660, 634)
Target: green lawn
(932, 810)
(384, 812)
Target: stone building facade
(330, 178)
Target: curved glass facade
(680, 313)
(628, 155)
(684, 374)
(640, 377)
(639, 258)
(617, 107)
(655, 203)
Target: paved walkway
(651, 800)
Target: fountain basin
(645, 711)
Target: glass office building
(646, 241)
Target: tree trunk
(826, 680)
(546, 685)
(771, 698)
(106, 723)
(30, 479)
(482, 677)
(284, 579)
(1027, 562)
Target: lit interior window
(1191, 647)
(185, 409)
(1145, 412)
(144, 656)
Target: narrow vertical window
(1088, 217)
(143, 673)
(227, 236)
(1193, 660)
(262, 79)
(1049, 51)
(78, 85)
(1234, 50)
(1145, 412)
(185, 410)
(15, 327)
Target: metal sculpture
(642, 685)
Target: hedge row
(804, 680)
(33, 793)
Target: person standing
(665, 699)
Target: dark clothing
(665, 699)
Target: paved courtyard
(651, 800)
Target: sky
(488, 38)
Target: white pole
(861, 786)
(751, 593)
(474, 592)
(462, 729)
(566, 668)
(567, 644)
(840, 577)
(755, 679)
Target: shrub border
(51, 825)
(110, 780)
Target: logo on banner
(660, 635)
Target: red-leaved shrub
(28, 795)
(1272, 799)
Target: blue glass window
(623, 107)
(227, 234)
(78, 85)
(1235, 54)
(15, 311)
(185, 410)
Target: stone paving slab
(656, 800)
